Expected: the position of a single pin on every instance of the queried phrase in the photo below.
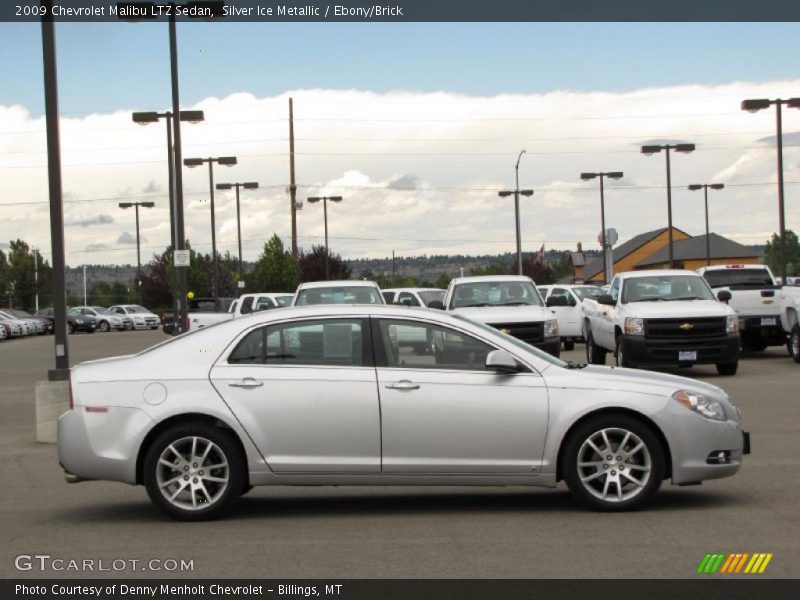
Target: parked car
(12, 327)
(204, 315)
(26, 326)
(36, 325)
(509, 303)
(754, 297)
(140, 317)
(48, 315)
(77, 321)
(413, 296)
(198, 429)
(106, 319)
(3, 332)
(662, 318)
(565, 302)
(349, 291)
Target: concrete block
(52, 400)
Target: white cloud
(419, 172)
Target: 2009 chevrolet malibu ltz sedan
(325, 395)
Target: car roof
(413, 289)
(337, 283)
(657, 273)
(480, 278)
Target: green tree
(442, 281)
(5, 279)
(772, 254)
(275, 270)
(312, 265)
(20, 278)
(493, 269)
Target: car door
(443, 412)
(305, 390)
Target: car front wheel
(104, 326)
(793, 343)
(594, 354)
(194, 472)
(613, 463)
(621, 356)
(728, 368)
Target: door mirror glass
(724, 296)
(501, 362)
(606, 299)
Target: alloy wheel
(192, 473)
(614, 464)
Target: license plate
(769, 321)
(687, 355)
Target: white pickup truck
(662, 318)
(243, 305)
(754, 297)
(510, 303)
(789, 300)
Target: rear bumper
(643, 351)
(753, 331)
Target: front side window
(495, 293)
(349, 294)
(614, 292)
(562, 293)
(418, 345)
(587, 291)
(329, 342)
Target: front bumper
(86, 327)
(640, 350)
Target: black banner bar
(412, 10)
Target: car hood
(618, 378)
(505, 314)
(685, 309)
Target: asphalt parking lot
(328, 532)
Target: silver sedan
(325, 395)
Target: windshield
(666, 287)
(350, 294)
(21, 314)
(516, 341)
(738, 277)
(100, 310)
(495, 293)
(588, 291)
(284, 300)
(135, 308)
(429, 296)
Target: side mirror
(437, 304)
(724, 296)
(606, 300)
(501, 361)
(556, 301)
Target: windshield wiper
(657, 299)
(688, 298)
(472, 305)
(514, 304)
(572, 365)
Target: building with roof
(650, 250)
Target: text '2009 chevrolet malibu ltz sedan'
(325, 395)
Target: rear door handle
(247, 382)
(405, 384)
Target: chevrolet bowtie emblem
(505, 330)
(686, 326)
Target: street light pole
(250, 185)
(755, 106)
(602, 175)
(517, 193)
(136, 205)
(228, 161)
(705, 187)
(684, 148)
(325, 199)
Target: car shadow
(349, 502)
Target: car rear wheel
(104, 326)
(594, 354)
(569, 345)
(793, 343)
(728, 368)
(613, 463)
(194, 472)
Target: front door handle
(405, 384)
(247, 382)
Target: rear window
(738, 277)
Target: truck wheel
(613, 462)
(728, 368)
(594, 354)
(793, 343)
(620, 357)
(569, 345)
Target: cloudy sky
(416, 126)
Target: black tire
(620, 358)
(569, 345)
(70, 328)
(623, 423)
(104, 326)
(225, 441)
(728, 368)
(793, 343)
(594, 354)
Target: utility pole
(292, 183)
(84, 286)
(393, 271)
(36, 276)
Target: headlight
(79, 321)
(702, 405)
(551, 328)
(634, 326)
(732, 324)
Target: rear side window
(327, 342)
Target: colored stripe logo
(737, 562)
